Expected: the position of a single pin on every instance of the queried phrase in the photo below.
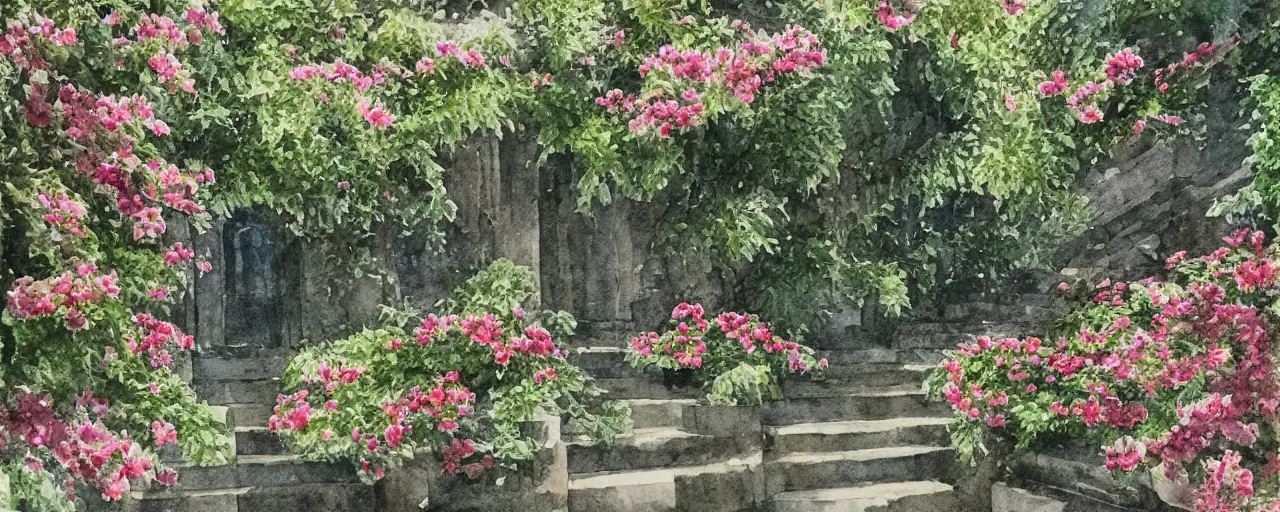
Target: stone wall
(1152, 199)
(270, 291)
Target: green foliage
(738, 359)
(489, 349)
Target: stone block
(870, 405)
(1013, 499)
(649, 491)
(258, 441)
(238, 368)
(721, 420)
(657, 413)
(657, 448)
(724, 489)
(307, 498)
(858, 435)
(828, 470)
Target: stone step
(843, 386)
(321, 497)
(221, 392)
(921, 496)
(218, 500)
(1005, 498)
(648, 388)
(605, 362)
(872, 374)
(258, 441)
(652, 448)
(856, 435)
(212, 369)
(657, 413)
(857, 360)
(730, 486)
(865, 405)
(829, 470)
(262, 471)
(249, 415)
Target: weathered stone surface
(1085, 477)
(247, 369)
(221, 500)
(722, 421)
(238, 391)
(868, 405)
(249, 415)
(922, 496)
(624, 492)
(720, 488)
(657, 448)
(308, 498)
(658, 413)
(258, 441)
(827, 470)
(1013, 499)
(857, 435)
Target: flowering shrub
(735, 355)
(85, 200)
(1178, 372)
(459, 385)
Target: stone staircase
(863, 439)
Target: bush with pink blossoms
(457, 385)
(86, 200)
(734, 355)
(1177, 372)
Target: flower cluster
(457, 451)
(890, 19)
(375, 114)
(1198, 344)
(1057, 84)
(1014, 7)
(739, 71)
(737, 338)
(66, 295)
(86, 450)
(396, 398)
(156, 335)
(64, 214)
(18, 44)
(162, 36)
(1084, 103)
(1123, 67)
(1201, 54)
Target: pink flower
(1125, 454)
(163, 432)
(344, 185)
(1123, 67)
(204, 267)
(619, 38)
(1056, 85)
(891, 21)
(1010, 102)
(1014, 7)
(375, 115)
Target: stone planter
(538, 486)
